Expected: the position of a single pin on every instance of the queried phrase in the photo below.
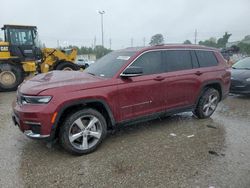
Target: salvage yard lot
(176, 151)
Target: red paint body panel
(126, 98)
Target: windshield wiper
(241, 68)
(91, 73)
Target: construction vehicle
(21, 56)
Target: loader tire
(10, 76)
(67, 66)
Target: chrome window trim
(155, 50)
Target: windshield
(242, 64)
(21, 36)
(109, 64)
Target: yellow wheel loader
(20, 56)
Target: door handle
(198, 73)
(159, 78)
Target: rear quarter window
(206, 58)
(176, 60)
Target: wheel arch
(216, 84)
(97, 104)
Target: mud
(202, 153)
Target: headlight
(35, 99)
(248, 79)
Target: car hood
(240, 74)
(55, 79)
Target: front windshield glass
(242, 64)
(109, 64)
(21, 37)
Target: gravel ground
(177, 151)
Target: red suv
(125, 86)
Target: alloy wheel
(85, 132)
(210, 104)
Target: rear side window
(150, 62)
(175, 60)
(206, 58)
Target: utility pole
(144, 41)
(110, 43)
(58, 44)
(132, 42)
(95, 42)
(101, 13)
(195, 36)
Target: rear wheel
(83, 131)
(10, 76)
(207, 103)
(67, 66)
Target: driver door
(142, 95)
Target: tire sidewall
(64, 131)
(17, 71)
(63, 65)
(199, 109)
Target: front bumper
(31, 134)
(239, 87)
(34, 120)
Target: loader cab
(22, 41)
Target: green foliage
(156, 40)
(246, 38)
(99, 51)
(220, 43)
(210, 42)
(244, 48)
(187, 42)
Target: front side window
(150, 62)
(110, 64)
(175, 60)
(206, 58)
(21, 37)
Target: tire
(10, 76)
(67, 66)
(207, 103)
(83, 131)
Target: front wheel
(83, 131)
(67, 66)
(10, 76)
(207, 103)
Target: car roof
(169, 46)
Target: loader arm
(52, 57)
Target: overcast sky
(77, 22)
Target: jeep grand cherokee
(122, 87)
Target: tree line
(242, 46)
(98, 50)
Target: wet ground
(178, 151)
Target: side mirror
(132, 71)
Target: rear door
(142, 95)
(181, 79)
